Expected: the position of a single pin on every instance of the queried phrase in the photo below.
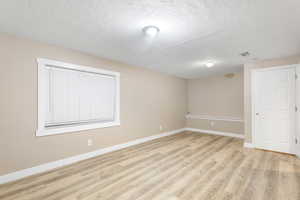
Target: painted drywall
(247, 86)
(216, 96)
(148, 99)
(222, 126)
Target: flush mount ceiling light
(151, 31)
(209, 64)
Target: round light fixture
(151, 31)
(209, 64)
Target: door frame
(253, 106)
(297, 132)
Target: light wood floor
(181, 167)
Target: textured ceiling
(191, 31)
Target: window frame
(41, 128)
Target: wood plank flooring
(185, 166)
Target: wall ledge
(215, 118)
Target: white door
(274, 96)
(298, 112)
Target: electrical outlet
(212, 123)
(90, 142)
(161, 128)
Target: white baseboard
(248, 145)
(236, 135)
(67, 161)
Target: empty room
(150, 100)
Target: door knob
(256, 113)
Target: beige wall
(148, 99)
(222, 126)
(216, 96)
(247, 86)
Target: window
(74, 98)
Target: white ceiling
(191, 31)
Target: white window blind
(77, 96)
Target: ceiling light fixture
(209, 64)
(151, 31)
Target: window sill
(69, 129)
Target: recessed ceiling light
(209, 64)
(151, 31)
